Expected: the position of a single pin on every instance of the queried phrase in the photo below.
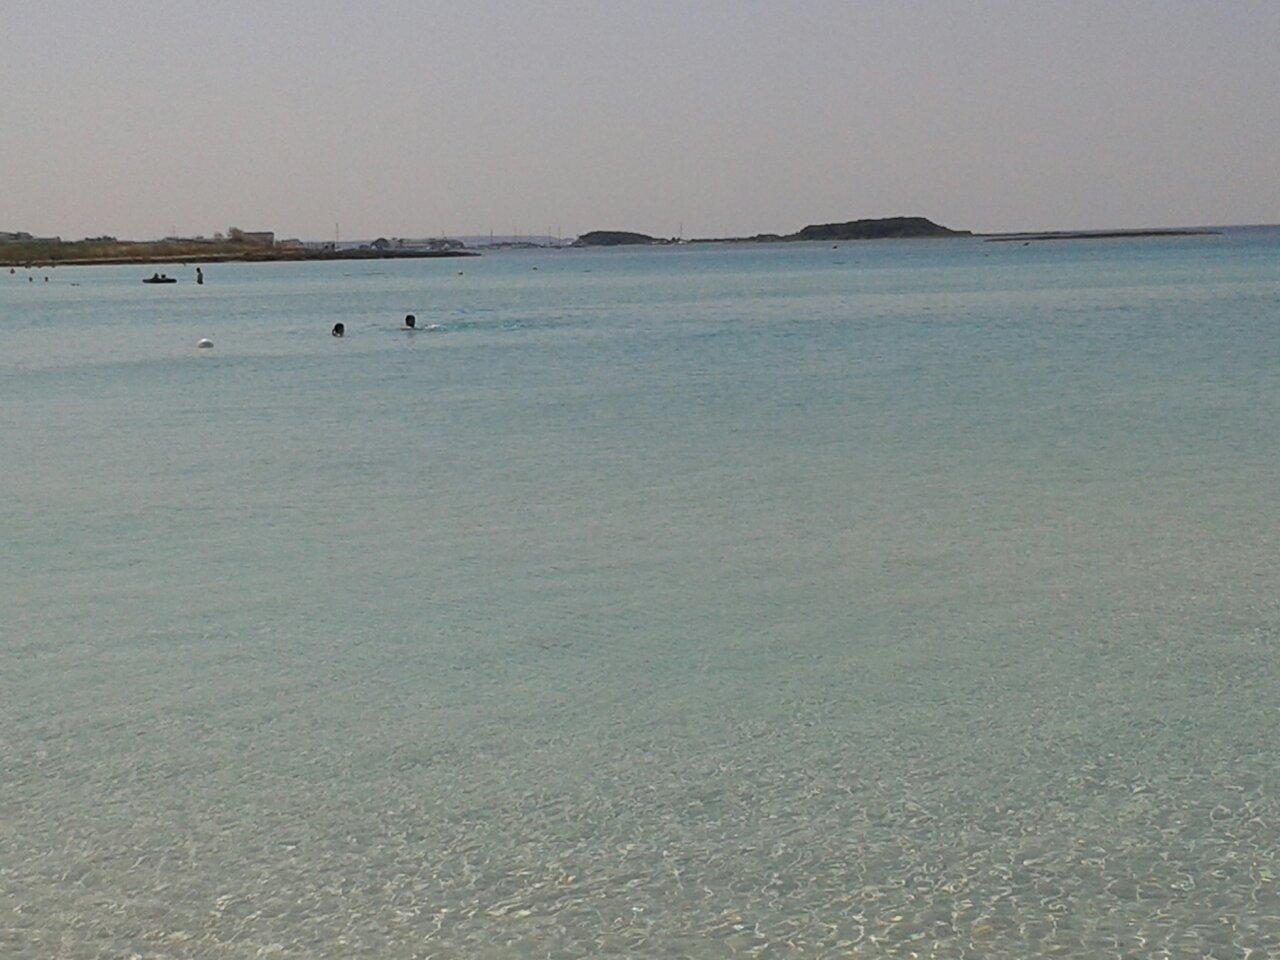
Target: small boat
(159, 278)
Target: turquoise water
(900, 599)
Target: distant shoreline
(1102, 234)
(254, 256)
(887, 229)
(882, 228)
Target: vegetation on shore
(106, 250)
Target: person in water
(199, 275)
(410, 321)
(338, 330)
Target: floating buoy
(204, 343)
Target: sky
(706, 118)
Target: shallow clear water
(889, 600)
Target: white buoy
(204, 343)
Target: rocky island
(616, 238)
(886, 228)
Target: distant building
(266, 238)
(428, 243)
(292, 243)
(21, 236)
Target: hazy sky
(729, 116)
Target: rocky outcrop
(613, 238)
(887, 228)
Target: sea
(907, 599)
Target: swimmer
(410, 321)
(338, 330)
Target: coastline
(258, 254)
(255, 256)
(881, 228)
(1101, 234)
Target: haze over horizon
(729, 118)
